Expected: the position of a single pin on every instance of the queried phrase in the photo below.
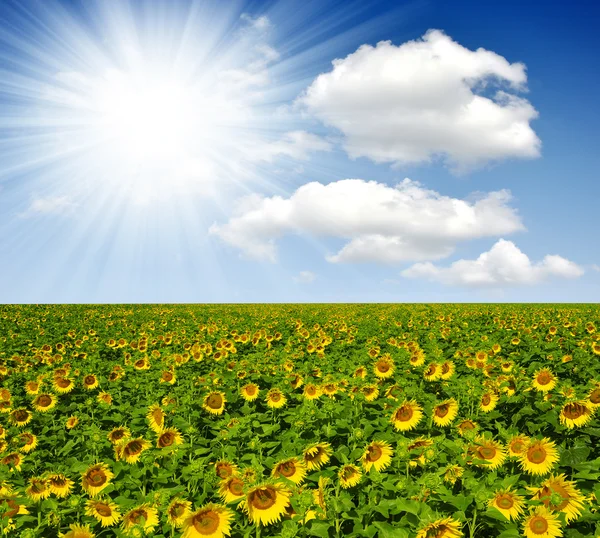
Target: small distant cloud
(294, 144)
(261, 23)
(595, 267)
(50, 205)
(305, 277)
(503, 265)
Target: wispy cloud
(50, 205)
(305, 277)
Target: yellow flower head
(178, 511)
(541, 524)
(492, 452)
(156, 418)
(250, 392)
(349, 475)
(407, 416)
(315, 456)
(60, 485)
(291, 468)
(214, 403)
(232, 489)
(144, 515)
(576, 414)
(508, 503)
(266, 503)
(539, 457)
(570, 500)
(96, 478)
(444, 413)
(441, 528)
(212, 521)
(104, 511)
(276, 399)
(378, 454)
(544, 380)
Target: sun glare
(145, 118)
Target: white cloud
(295, 144)
(379, 223)
(305, 277)
(51, 205)
(424, 99)
(503, 265)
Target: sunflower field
(391, 421)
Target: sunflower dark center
(206, 523)
(236, 486)
(442, 410)
(287, 469)
(44, 400)
(374, 453)
(166, 439)
(404, 414)
(136, 516)
(536, 454)
(21, 415)
(486, 399)
(103, 509)
(97, 477)
(89, 380)
(573, 411)
(544, 378)
(63, 382)
(133, 447)
(538, 525)
(505, 501)
(263, 498)
(595, 396)
(486, 452)
(214, 401)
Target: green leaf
(389, 531)
(574, 456)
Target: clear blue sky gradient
(109, 250)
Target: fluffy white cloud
(50, 205)
(379, 223)
(503, 265)
(305, 277)
(425, 99)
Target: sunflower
(517, 445)
(156, 418)
(594, 397)
(378, 454)
(29, 442)
(492, 452)
(275, 399)
(225, 469)
(214, 403)
(44, 402)
(63, 384)
(433, 372)
(453, 473)
(418, 359)
(488, 401)
(212, 520)
(116, 435)
(142, 364)
(13, 461)
(104, 511)
(539, 457)
(20, 416)
(131, 449)
(78, 531)
(311, 391)
(444, 413)
(169, 438)
(168, 377)
(384, 368)
(32, 387)
(447, 370)
(349, 475)
(576, 414)
(96, 478)
(178, 511)
(361, 372)
(266, 503)
(291, 468)
(104, 397)
(467, 426)
(370, 392)
(407, 416)
(568, 499)
(541, 524)
(508, 503)
(329, 389)
(60, 485)
(250, 392)
(441, 528)
(38, 489)
(90, 382)
(231, 489)
(143, 515)
(317, 455)
(544, 380)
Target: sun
(147, 117)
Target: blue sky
(290, 151)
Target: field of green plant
(390, 421)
